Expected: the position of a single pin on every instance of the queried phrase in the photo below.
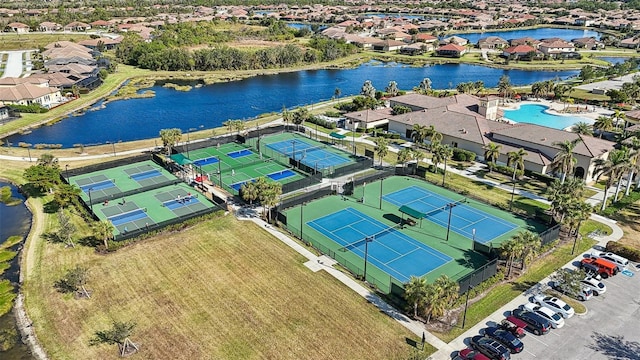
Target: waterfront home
(631, 43)
(588, 43)
(492, 42)
(470, 123)
(457, 40)
(27, 94)
(388, 45)
(526, 41)
(519, 51)
(451, 50)
(556, 47)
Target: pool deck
(558, 107)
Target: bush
(507, 170)
(322, 122)
(463, 155)
(33, 108)
(624, 251)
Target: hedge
(623, 250)
(463, 155)
(322, 122)
(506, 170)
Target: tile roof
(24, 92)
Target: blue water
(541, 33)
(613, 60)
(210, 106)
(535, 114)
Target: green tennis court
(238, 165)
(366, 200)
(111, 183)
(144, 210)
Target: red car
(514, 326)
(470, 354)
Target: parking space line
(530, 353)
(610, 283)
(535, 337)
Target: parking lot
(609, 329)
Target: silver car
(598, 287)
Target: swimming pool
(535, 114)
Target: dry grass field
(223, 289)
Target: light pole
(90, 200)
(473, 231)
(301, 219)
(466, 302)
(293, 144)
(575, 240)
(381, 180)
(66, 170)
(367, 240)
(188, 138)
(353, 137)
(220, 171)
(29, 151)
(513, 192)
(113, 145)
(449, 222)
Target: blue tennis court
(464, 218)
(182, 202)
(309, 154)
(98, 186)
(206, 161)
(146, 175)
(128, 217)
(239, 153)
(393, 252)
(279, 175)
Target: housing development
(353, 180)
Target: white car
(554, 318)
(598, 287)
(555, 304)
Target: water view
(210, 106)
(536, 114)
(14, 220)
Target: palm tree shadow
(615, 347)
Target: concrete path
(13, 66)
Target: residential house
(470, 123)
(556, 48)
(27, 94)
(368, 119)
(457, 40)
(17, 27)
(451, 50)
(631, 43)
(77, 26)
(526, 41)
(589, 43)
(492, 42)
(48, 26)
(426, 38)
(105, 42)
(519, 51)
(414, 49)
(100, 24)
(388, 45)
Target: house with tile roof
(368, 119)
(27, 94)
(470, 123)
(451, 50)
(17, 27)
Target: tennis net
(370, 238)
(445, 208)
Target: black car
(535, 323)
(492, 348)
(505, 338)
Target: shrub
(623, 250)
(463, 155)
(322, 122)
(33, 108)
(507, 170)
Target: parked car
(515, 326)
(490, 347)
(583, 295)
(554, 318)
(555, 304)
(605, 267)
(591, 270)
(535, 323)
(598, 287)
(470, 354)
(621, 262)
(505, 338)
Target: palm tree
(287, 117)
(510, 250)
(434, 136)
(602, 124)
(505, 89)
(392, 88)
(103, 230)
(368, 90)
(270, 196)
(491, 154)
(420, 133)
(229, 125)
(577, 212)
(449, 289)
(249, 192)
(442, 153)
(382, 147)
(530, 245)
(336, 93)
(425, 86)
(416, 155)
(582, 128)
(415, 292)
(404, 155)
(613, 167)
(634, 163)
(617, 116)
(564, 160)
(537, 89)
(516, 159)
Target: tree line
(157, 56)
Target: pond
(209, 106)
(537, 114)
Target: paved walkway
(14, 65)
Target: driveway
(13, 66)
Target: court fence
(150, 229)
(67, 173)
(478, 276)
(550, 235)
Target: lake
(210, 106)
